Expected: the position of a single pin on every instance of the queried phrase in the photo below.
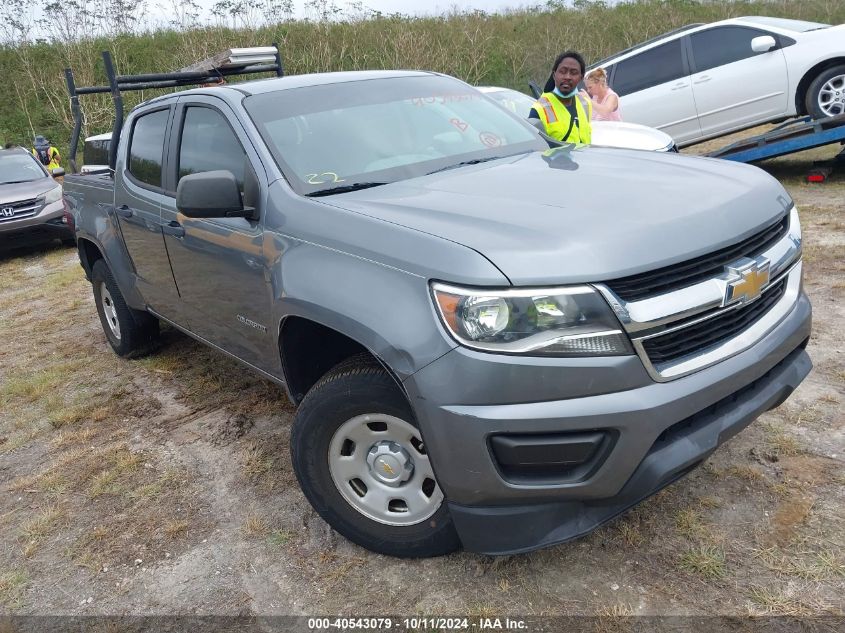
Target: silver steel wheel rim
(396, 485)
(832, 96)
(109, 311)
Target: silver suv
(30, 199)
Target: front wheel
(362, 464)
(826, 95)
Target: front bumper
(660, 430)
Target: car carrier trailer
(792, 136)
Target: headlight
(54, 195)
(571, 321)
(795, 226)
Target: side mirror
(211, 194)
(57, 171)
(763, 44)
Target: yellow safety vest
(557, 120)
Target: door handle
(124, 211)
(680, 86)
(703, 79)
(174, 228)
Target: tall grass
(507, 50)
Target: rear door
(655, 89)
(219, 264)
(138, 196)
(733, 86)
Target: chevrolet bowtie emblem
(748, 277)
(386, 468)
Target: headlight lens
(54, 195)
(570, 321)
(795, 225)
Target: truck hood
(582, 215)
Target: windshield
(19, 168)
(383, 130)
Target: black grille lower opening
(706, 416)
(693, 271)
(695, 338)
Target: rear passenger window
(723, 45)
(146, 147)
(208, 144)
(649, 68)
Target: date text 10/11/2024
(417, 623)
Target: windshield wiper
(463, 163)
(344, 189)
(15, 182)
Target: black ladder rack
(123, 83)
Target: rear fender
(105, 242)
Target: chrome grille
(692, 271)
(688, 328)
(11, 211)
(696, 338)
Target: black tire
(359, 386)
(129, 332)
(811, 101)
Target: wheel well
(807, 79)
(88, 255)
(310, 349)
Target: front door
(138, 198)
(734, 87)
(219, 264)
(654, 88)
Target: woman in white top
(605, 102)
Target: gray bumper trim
(521, 528)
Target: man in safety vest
(46, 153)
(561, 112)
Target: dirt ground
(163, 485)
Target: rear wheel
(826, 95)
(361, 462)
(129, 332)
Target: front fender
(386, 310)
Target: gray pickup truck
(492, 343)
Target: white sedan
(707, 80)
(607, 133)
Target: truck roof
(237, 91)
(260, 86)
